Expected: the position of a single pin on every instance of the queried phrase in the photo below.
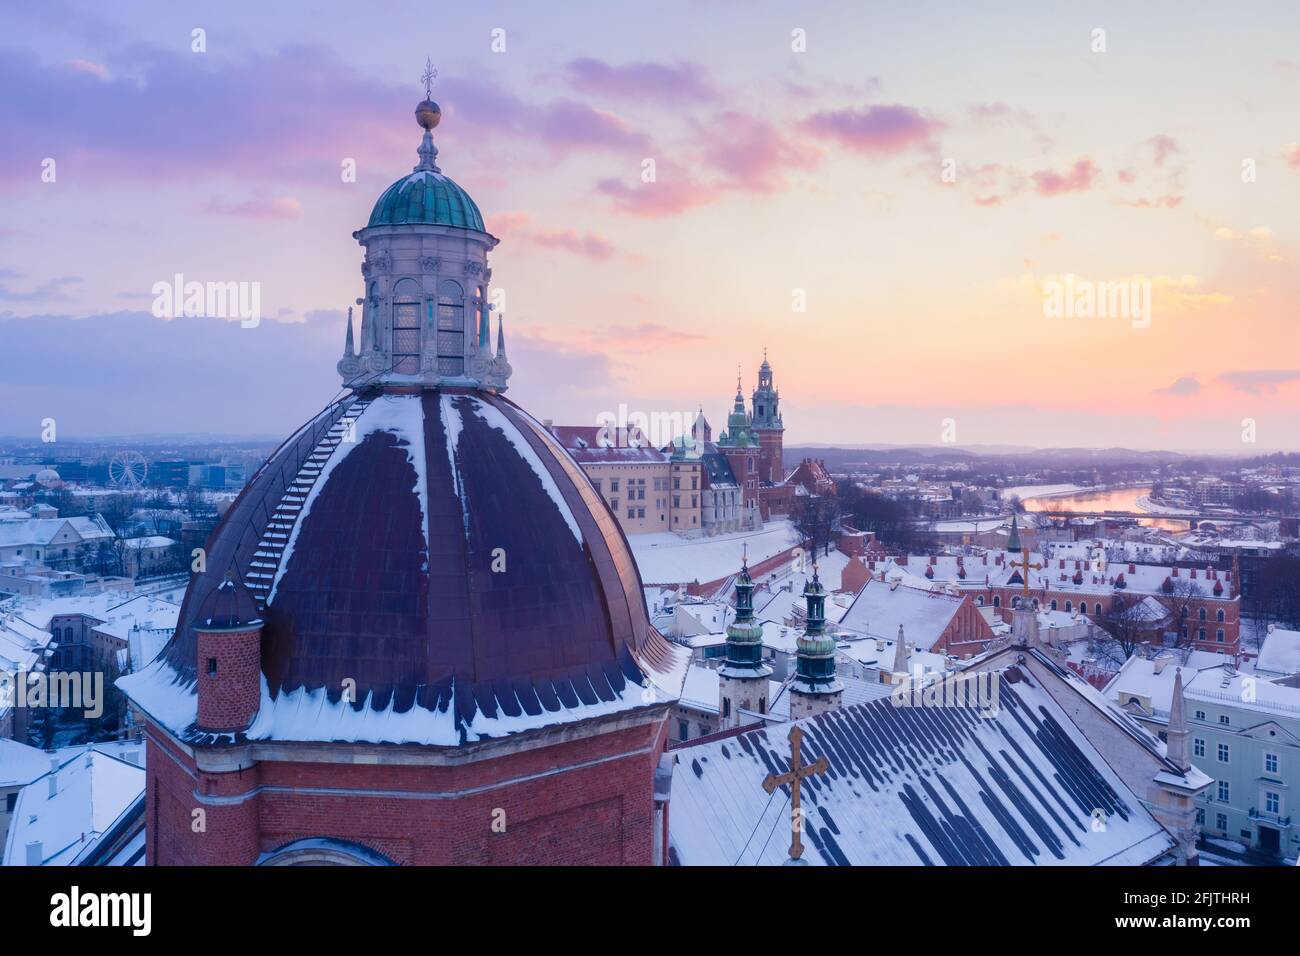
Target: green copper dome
(429, 197)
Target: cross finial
(795, 777)
(1024, 563)
(427, 78)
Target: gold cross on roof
(1024, 563)
(798, 771)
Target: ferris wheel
(128, 469)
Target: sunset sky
(776, 171)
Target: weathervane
(427, 77)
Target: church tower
(742, 680)
(767, 426)
(815, 689)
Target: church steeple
(742, 679)
(1013, 541)
(815, 689)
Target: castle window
(212, 667)
(451, 328)
(1218, 616)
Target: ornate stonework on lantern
(425, 312)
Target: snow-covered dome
(48, 478)
(439, 550)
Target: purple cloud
(1186, 385)
(1259, 381)
(1078, 178)
(751, 154)
(294, 113)
(879, 130)
(641, 81)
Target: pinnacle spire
(900, 653)
(501, 335)
(349, 350)
(1013, 540)
(1177, 734)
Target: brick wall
(577, 802)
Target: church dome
(426, 197)
(446, 574)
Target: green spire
(744, 634)
(1013, 542)
(815, 649)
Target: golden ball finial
(428, 115)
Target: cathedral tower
(767, 427)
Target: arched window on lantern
(451, 328)
(406, 327)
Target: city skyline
(783, 178)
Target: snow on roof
(666, 558)
(42, 531)
(607, 444)
(310, 716)
(145, 612)
(92, 789)
(869, 652)
(21, 764)
(1207, 677)
(148, 541)
(880, 608)
(913, 785)
(40, 611)
(1280, 653)
(400, 415)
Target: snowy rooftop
(1280, 653)
(21, 764)
(880, 608)
(667, 558)
(91, 790)
(916, 785)
(1207, 677)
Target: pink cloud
(673, 192)
(1291, 153)
(262, 207)
(751, 153)
(641, 81)
(517, 227)
(647, 335)
(1078, 178)
(1163, 146)
(878, 130)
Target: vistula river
(1116, 499)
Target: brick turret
(229, 632)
